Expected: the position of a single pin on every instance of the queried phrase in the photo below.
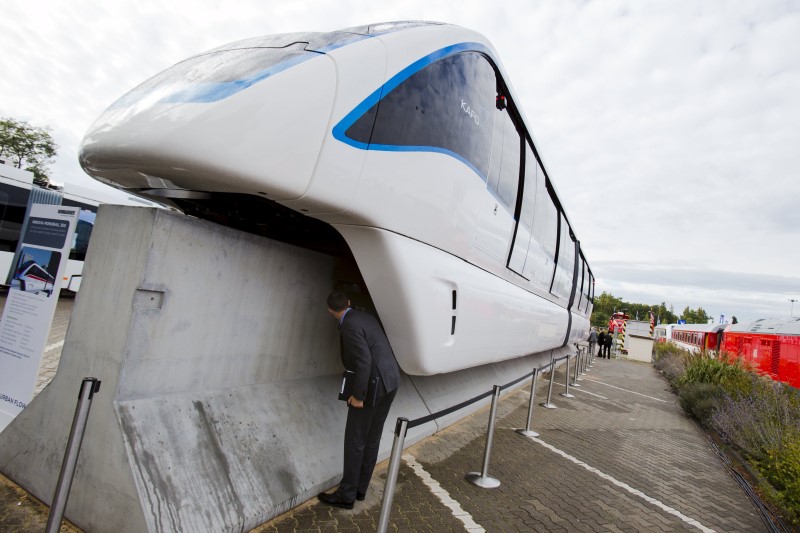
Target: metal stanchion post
(527, 431)
(89, 387)
(577, 369)
(549, 405)
(400, 430)
(566, 393)
(483, 479)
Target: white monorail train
(401, 146)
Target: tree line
(27, 147)
(606, 304)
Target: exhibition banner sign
(31, 303)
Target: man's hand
(352, 401)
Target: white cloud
(668, 127)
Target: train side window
(505, 158)
(585, 286)
(520, 261)
(588, 288)
(582, 277)
(562, 285)
(539, 268)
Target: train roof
(16, 176)
(782, 326)
(699, 327)
(323, 41)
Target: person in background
(366, 352)
(601, 341)
(592, 339)
(607, 342)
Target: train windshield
(442, 105)
(215, 75)
(226, 70)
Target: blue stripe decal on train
(212, 92)
(340, 129)
(207, 92)
(203, 93)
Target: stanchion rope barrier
(433, 416)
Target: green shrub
(782, 469)
(700, 399)
(670, 361)
(667, 349)
(760, 421)
(758, 416)
(765, 426)
(730, 374)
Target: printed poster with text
(31, 303)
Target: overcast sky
(671, 129)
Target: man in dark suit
(601, 341)
(607, 342)
(366, 352)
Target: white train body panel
(440, 312)
(431, 229)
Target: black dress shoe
(333, 499)
(360, 496)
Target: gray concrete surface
(218, 364)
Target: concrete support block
(219, 367)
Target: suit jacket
(365, 351)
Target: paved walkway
(619, 456)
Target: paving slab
(619, 456)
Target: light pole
(791, 312)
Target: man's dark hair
(337, 301)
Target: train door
(496, 222)
(532, 254)
(524, 228)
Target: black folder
(346, 390)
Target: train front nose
(244, 120)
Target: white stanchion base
(487, 482)
(567, 395)
(527, 433)
(548, 406)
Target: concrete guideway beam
(220, 367)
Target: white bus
(17, 192)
